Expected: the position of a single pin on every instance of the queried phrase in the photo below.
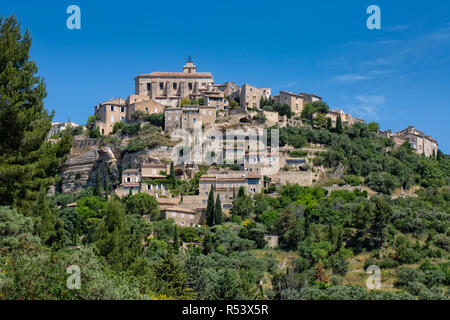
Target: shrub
(388, 263)
(353, 180)
(408, 275)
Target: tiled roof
(177, 75)
(179, 209)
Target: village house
(143, 104)
(226, 184)
(229, 89)
(187, 117)
(152, 175)
(420, 143)
(295, 101)
(110, 112)
(58, 127)
(183, 217)
(250, 96)
(262, 163)
(346, 118)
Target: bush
(156, 119)
(408, 275)
(353, 180)
(388, 263)
(433, 278)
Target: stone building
(310, 97)
(144, 104)
(152, 175)
(183, 217)
(110, 112)
(60, 126)
(421, 143)
(295, 101)
(229, 88)
(346, 118)
(187, 117)
(251, 96)
(168, 88)
(228, 183)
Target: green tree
(218, 216)
(382, 215)
(173, 180)
(97, 190)
(173, 277)
(28, 163)
(143, 204)
(114, 237)
(339, 129)
(210, 208)
(176, 243)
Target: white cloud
(351, 77)
(366, 106)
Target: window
(128, 179)
(204, 112)
(195, 120)
(174, 86)
(149, 86)
(190, 85)
(112, 118)
(122, 109)
(112, 108)
(161, 86)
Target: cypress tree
(28, 162)
(218, 216)
(329, 124)
(176, 243)
(173, 180)
(339, 128)
(210, 208)
(241, 192)
(97, 192)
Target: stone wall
(303, 178)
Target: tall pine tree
(28, 162)
(113, 238)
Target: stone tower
(189, 67)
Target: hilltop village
(128, 145)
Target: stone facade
(168, 88)
(110, 112)
(346, 118)
(420, 143)
(60, 126)
(187, 117)
(251, 96)
(228, 183)
(183, 217)
(229, 88)
(295, 101)
(145, 105)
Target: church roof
(176, 75)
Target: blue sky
(397, 76)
